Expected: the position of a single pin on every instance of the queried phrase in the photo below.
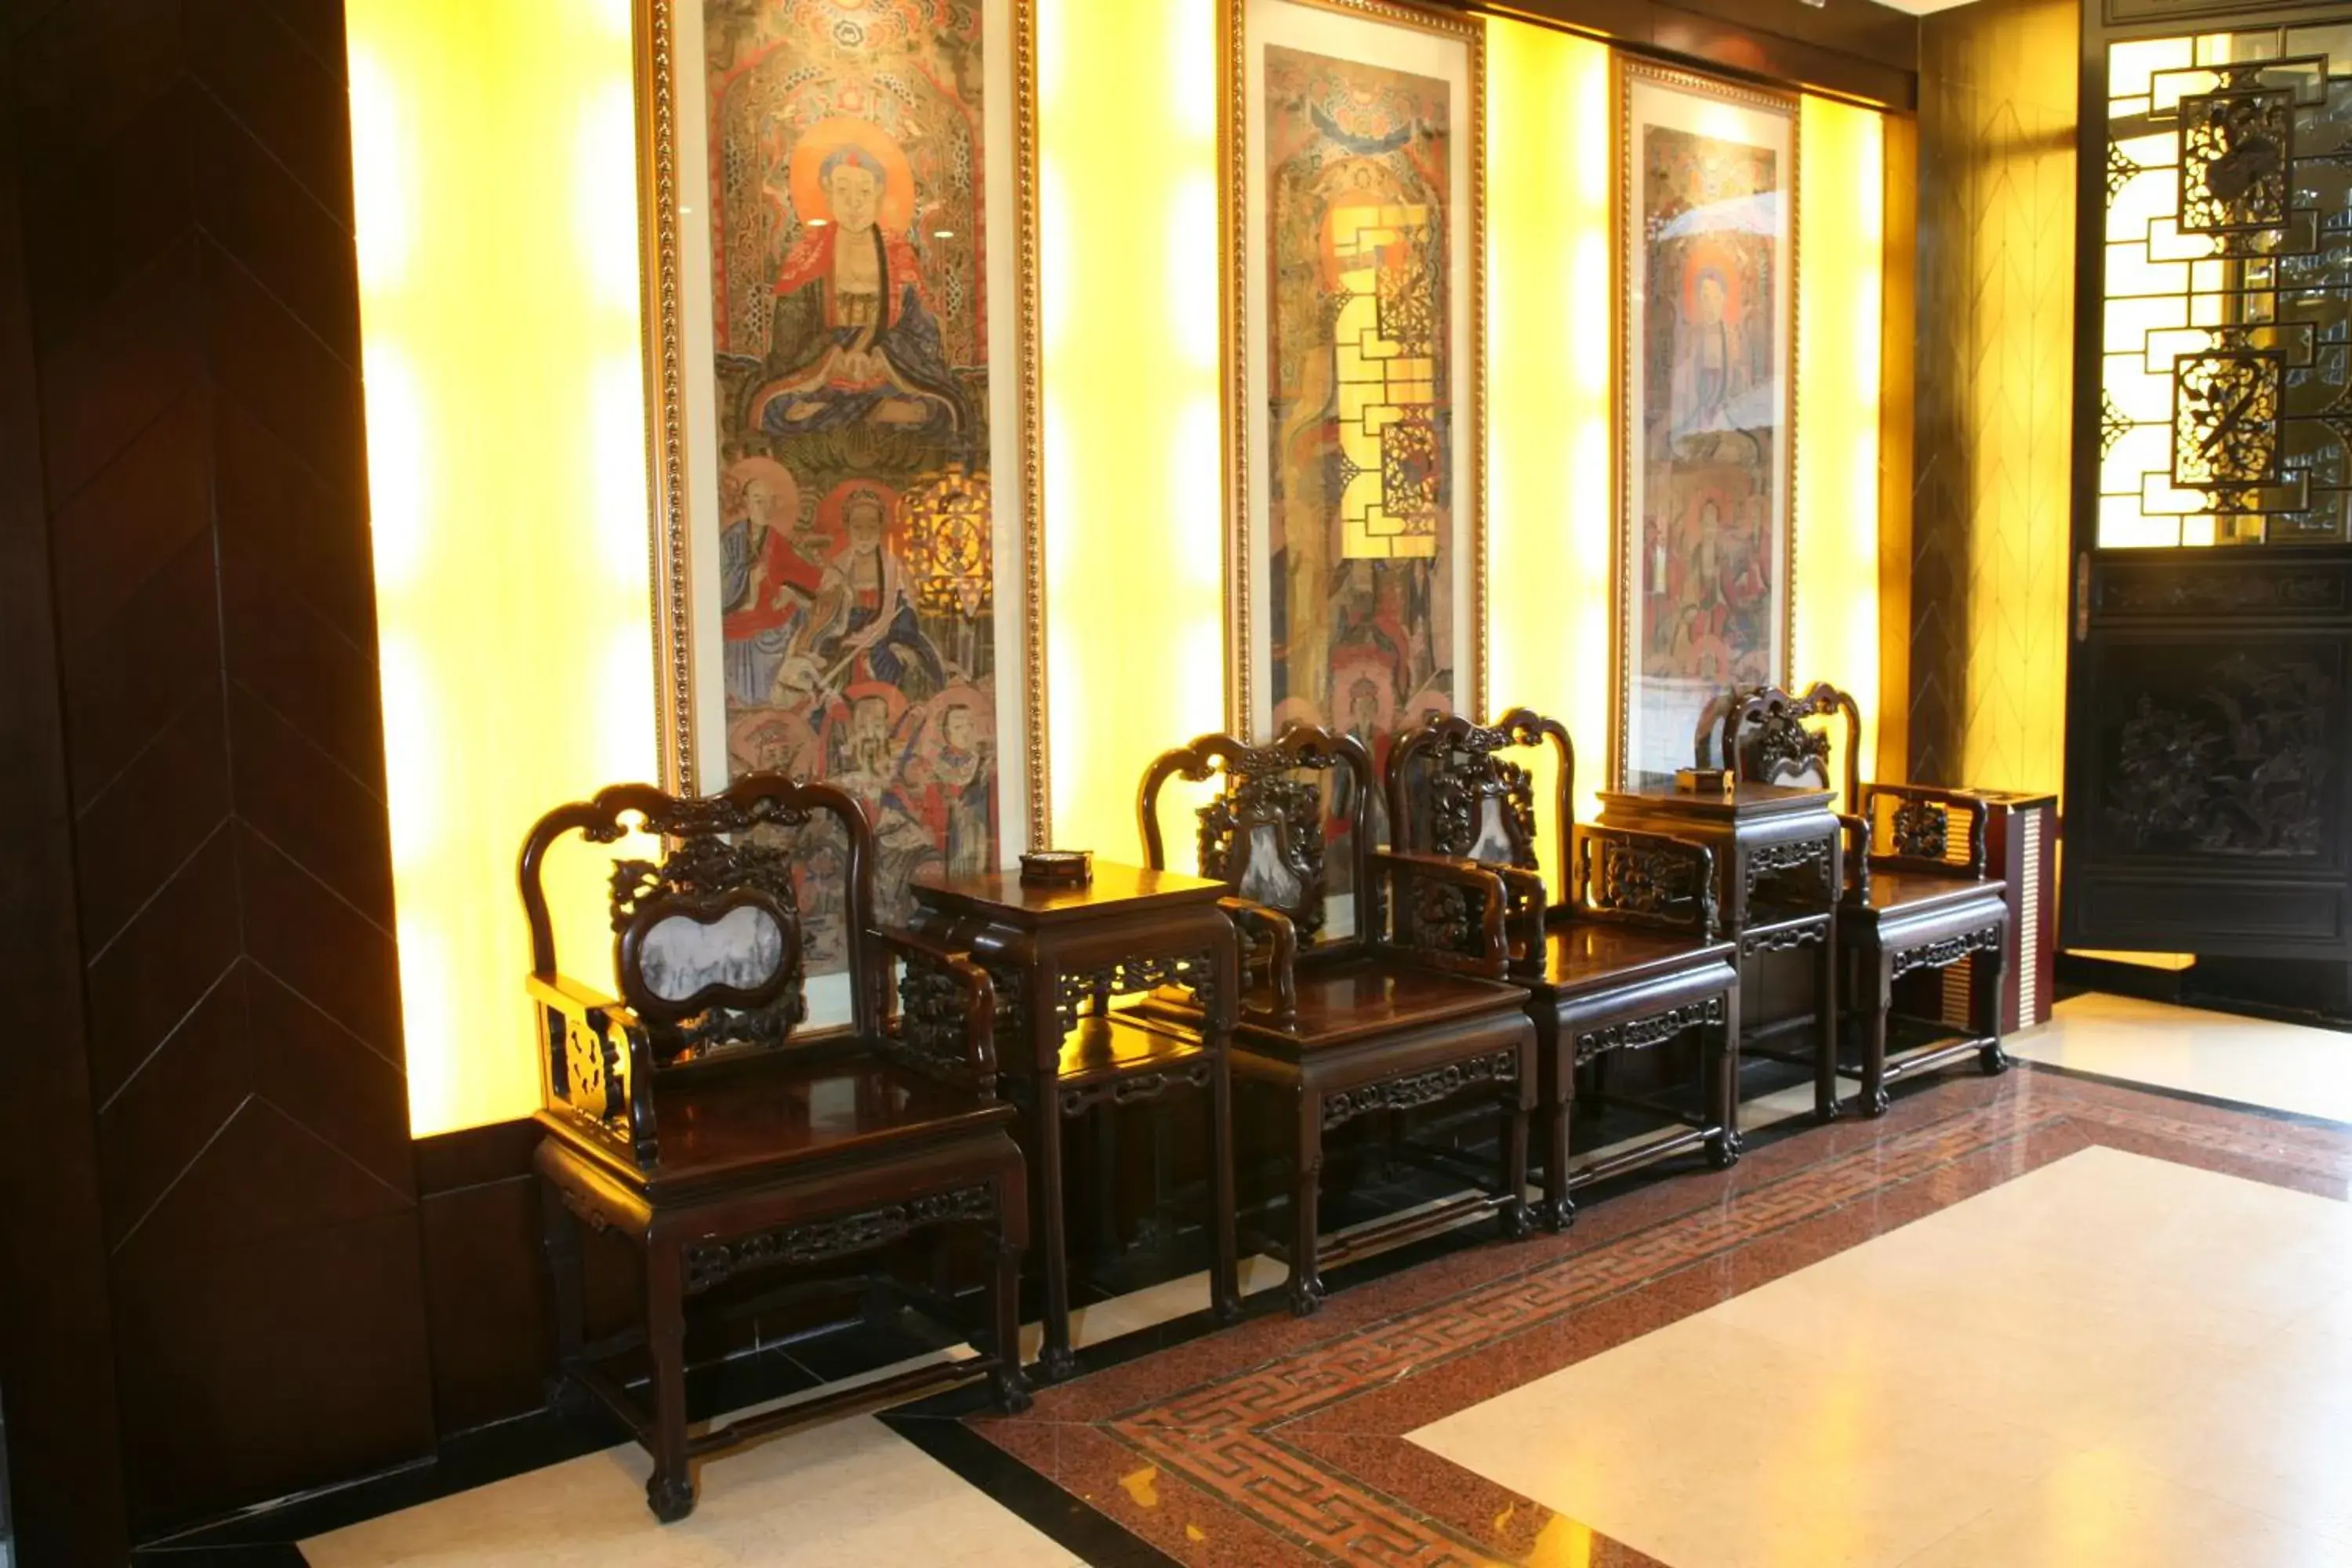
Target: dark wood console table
(1779, 867)
(1057, 955)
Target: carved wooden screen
(2226, 379)
(2208, 803)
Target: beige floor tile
(2096, 1509)
(848, 1492)
(1705, 1445)
(2253, 1062)
(2108, 1349)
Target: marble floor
(2046, 1317)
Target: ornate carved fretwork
(1783, 939)
(709, 1263)
(590, 1060)
(1459, 789)
(1136, 1086)
(934, 1018)
(1421, 1088)
(2234, 148)
(1655, 1029)
(1944, 952)
(1633, 875)
(1785, 749)
(1778, 859)
(1193, 972)
(2225, 423)
(1922, 829)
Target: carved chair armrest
(1264, 928)
(1470, 933)
(1938, 800)
(944, 1013)
(586, 1036)
(1856, 829)
(1637, 876)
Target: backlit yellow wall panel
(1551, 322)
(1840, 230)
(1134, 525)
(493, 171)
(493, 162)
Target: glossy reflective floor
(2039, 1318)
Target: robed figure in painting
(850, 323)
(848, 236)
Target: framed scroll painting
(837, 203)
(1354, 169)
(1708, 198)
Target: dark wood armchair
(1916, 895)
(1629, 960)
(694, 1116)
(1404, 1008)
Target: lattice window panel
(2226, 387)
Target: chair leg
(1513, 1212)
(1991, 964)
(1558, 1213)
(1722, 1048)
(1825, 1047)
(1006, 1381)
(670, 1492)
(1874, 995)
(1306, 1184)
(1224, 1276)
(558, 1240)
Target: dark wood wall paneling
(1851, 48)
(186, 178)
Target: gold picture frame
(1246, 423)
(1635, 556)
(682, 431)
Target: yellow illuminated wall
(1127, 98)
(492, 152)
(1993, 492)
(1551, 487)
(1840, 230)
(495, 170)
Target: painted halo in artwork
(1708, 200)
(1354, 140)
(838, 208)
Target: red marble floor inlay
(1282, 1441)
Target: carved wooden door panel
(2207, 742)
(2209, 799)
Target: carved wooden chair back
(1764, 735)
(1454, 788)
(1266, 831)
(709, 947)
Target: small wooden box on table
(1779, 860)
(693, 1118)
(1057, 954)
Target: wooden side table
(1780, 869)
(1058, 955)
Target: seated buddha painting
(856, 526)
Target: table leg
(1225, 1276)
(1989, 984)
(1723, 1052)
(1513, 1214)
(1555, 1108)
(1054, 1362)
